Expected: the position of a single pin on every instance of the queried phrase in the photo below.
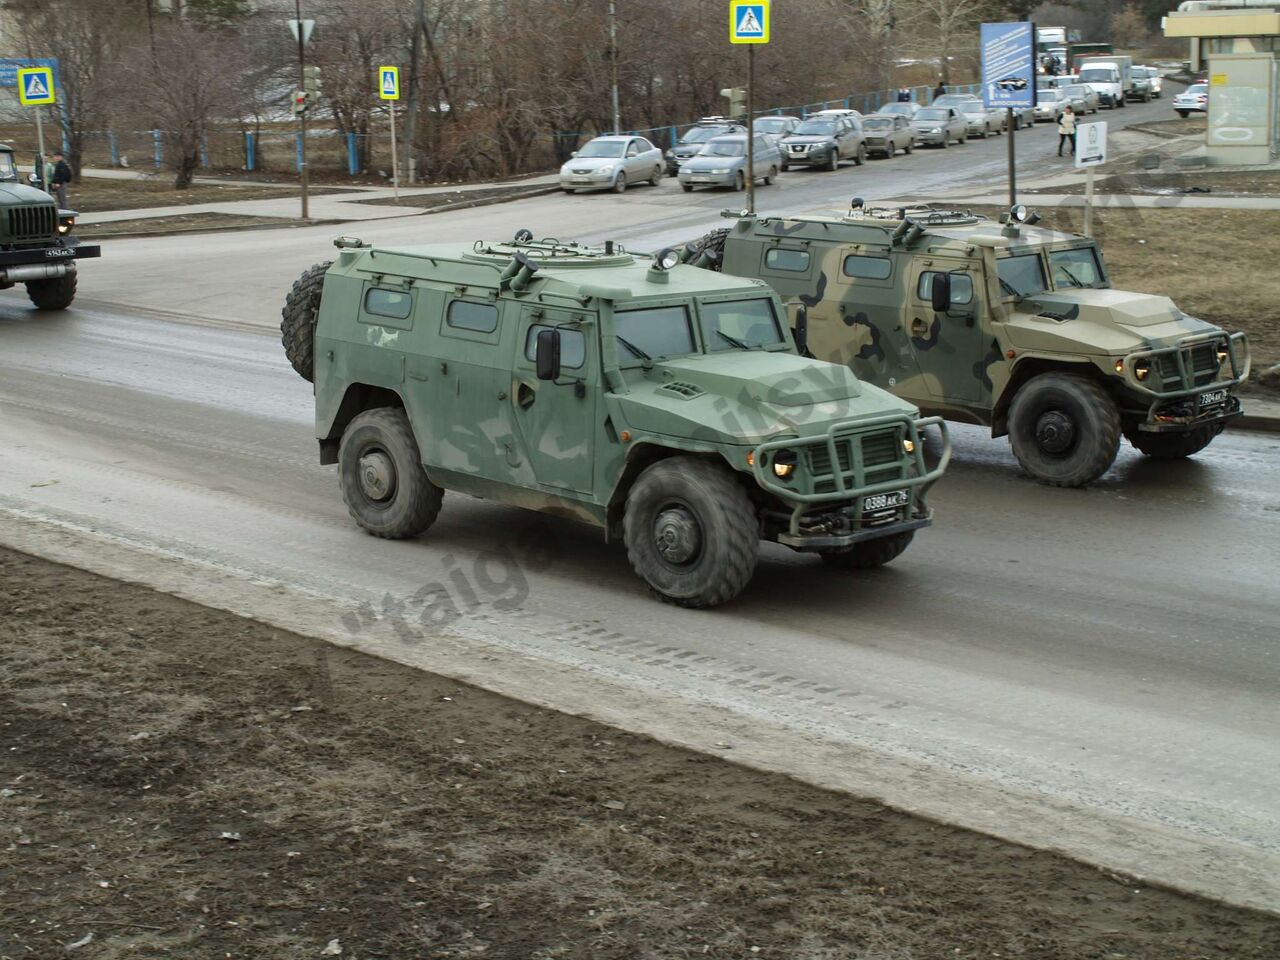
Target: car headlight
(784, 464)
(605, 169)
(936, 130)
(1223, 353)
(66, 225)
(1142, 369)
(721, 171)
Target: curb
(1257, 423)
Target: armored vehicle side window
(7, 169)
(1021, 276)
(1075, 268)
(793, 261)
(396, 304)
(867, 268)
(573, 345)
(961, 287)
(655, 332)
(469, 315)
(738, 324)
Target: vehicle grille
(35, 222)
(1201, 362)
(880, 460)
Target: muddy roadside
(179, 782)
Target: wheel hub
(377, 475)
(1055, 432)
(677, 535)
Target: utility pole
(751, 129)
(411, 115)
(302, 117)
(613, 67)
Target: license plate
(581, 179)
(701, 179)
(883, 501)
(1213, 397)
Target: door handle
(918, 327)
(525, 395)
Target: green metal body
(36, 242)
(487, 426)
(863, 282)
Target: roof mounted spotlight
(664, 260)
(523, 235)
(1018, 213)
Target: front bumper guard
(844, 492)
(1239, 356)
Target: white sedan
(1195, 99)
(612, 163)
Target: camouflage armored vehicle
(36, 244)
(1010, 326)
(662, 403)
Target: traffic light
(737, 100)
(299, 102)
(311, 81)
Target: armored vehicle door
(556, 418)
(949, 346)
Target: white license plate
(701, 179)
(1213, 397)
(581, 179)
(883, 501)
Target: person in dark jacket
(61, 177)
(940, 90)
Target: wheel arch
(1030, 367)
(640, 457)
(358, 398)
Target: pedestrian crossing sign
(749, 21)
(35, 86)
(389, 83)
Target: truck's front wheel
(298, 319)
(868, 554)
(1174, 446)
(380, 470)
(691, 532)
(55, 294)
(1064, 429)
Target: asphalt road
(1095, 670)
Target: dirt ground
(431, 200)
(1216, 264)
(1155, 183)
(179, 782)
(96, 194)
(192, 223)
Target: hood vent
(683, 390)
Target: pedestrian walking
(1067, 130)
(940, 90)
(59, 179)
(904, 95)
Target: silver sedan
(612, 163)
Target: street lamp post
(302, 117)
(613, 67)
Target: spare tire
(298, 319)
(712, 243)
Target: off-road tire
(55, 294)
(868, 554)
(414, 501)
(1096, 438)
(620, 183)
(714, 242)
(298, 319)
(1173, 446)
(726, 525)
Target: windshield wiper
(1008, 288)
(1075, 281)
(734, 340)
(636, 351)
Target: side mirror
(547, 354)
(940, 293)
(572, 155)
(32, 178)
(801, 332)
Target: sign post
(35, 89)
(1009, 78)
(389, 89)
(749, 24)
(301, 30)
(1091, 151)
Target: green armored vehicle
(36, 244)
(660, 402)
(1007, 325)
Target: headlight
(65, 225)
(936, 130)
(784, 464)
(606, 169)
(908, 446)
(1141, 369)
(1223, 353)
(670, 155)
(720, 171)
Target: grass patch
(95, 195)
(1227, 183)
(190, 223)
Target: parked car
(1195, 99)
(691, 140)
(952, 99)
(1060, 81)
(778, 126)
(824, 140)
(884, 134)
(981, 120)
(835, 112)
(905, 108)
(1154, 78)
(1050, 104)
(1084, 99)
(611, 163)
(722, 162)
(1022, 117)
(938, 126)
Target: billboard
(1009, 64)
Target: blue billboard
(9, 67)
(1009, 64)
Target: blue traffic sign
(1009, 64)
(35, 86)
(749, 21)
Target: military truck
(36, 242)
(1008, 325)
(662, 403)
